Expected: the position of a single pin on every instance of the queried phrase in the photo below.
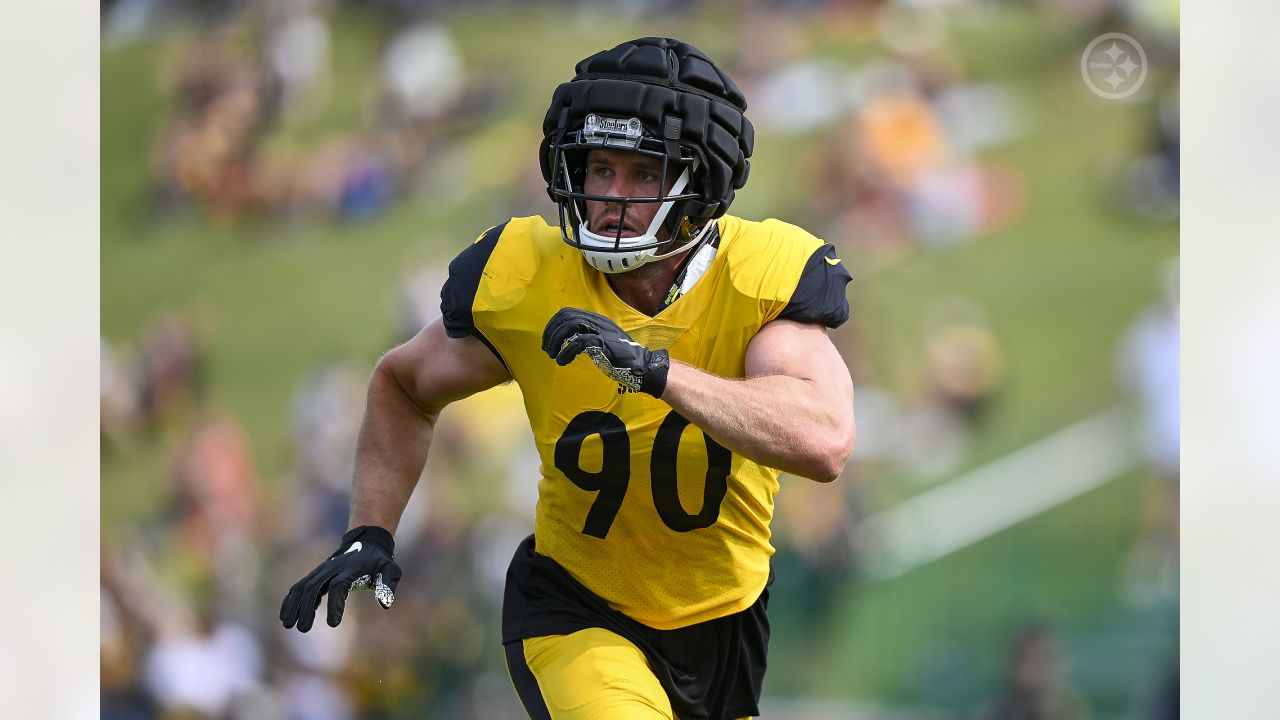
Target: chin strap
(692, 242)
(694, 266)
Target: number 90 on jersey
(610, 482)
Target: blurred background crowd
(285, 181)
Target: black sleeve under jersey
(819, 296)
(459, 291)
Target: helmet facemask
(613, 253)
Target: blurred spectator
(791, 91)
(1036, 683)
(900, 173)
(123, 695)
(953, 204)
(349, 175)
(139, 609)
(216, 504)
(964, 370)
(864, 210)
(1151, 182)
(327, 408)
(903, 135)
(418, 302)
(297, 49)
(150, 386)
(229, 85)
(312, 670)
(422, 74)
(964, 360)
(976, 116)
(315, 697)
(171, 368)
(223, 102)
(204, 668)
(1148, 369)
(932, 441)
(368, 183)
(879, 417)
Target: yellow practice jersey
(638, 505)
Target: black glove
(363, 561)
(636, 367)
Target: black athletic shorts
(712, 670)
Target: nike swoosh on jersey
(832, 261)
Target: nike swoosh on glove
(571, 332)
(363, 561)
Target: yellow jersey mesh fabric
(636, 504)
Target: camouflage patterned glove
(572, 331)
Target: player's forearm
(390, 453)
(778, 421)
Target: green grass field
(1059, 286)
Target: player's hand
(362, 562)
(572, 331)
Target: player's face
(617, 173)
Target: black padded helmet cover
(674, 89)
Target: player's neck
(646, 287)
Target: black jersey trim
(459, 292)
(819, 296)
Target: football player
(689, 345)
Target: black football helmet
(659, 97)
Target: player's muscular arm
(793, 411)
(410, 386)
